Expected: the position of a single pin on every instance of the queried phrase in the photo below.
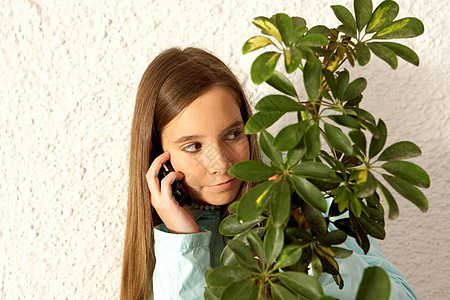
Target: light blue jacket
(181, 261)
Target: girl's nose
(220, 161)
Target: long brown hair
(172, 81)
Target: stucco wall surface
(69, 72)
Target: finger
(152, 173)
(274, 177)
(166, 183)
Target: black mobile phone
(177, 188)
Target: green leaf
(375, 285)
(400, 29)
(266, 141)
(382, 16)
(212, 292)
(255, 43)
(314, 170)
(278, 103)
(312, 74)
(295, 155)
(280, 202)
(362, 53)
(309, 192)
(263, 66)
(239, 290)
(286, 27)
(363, 12)
(302, 284)
(299, 32)
(363, 115)
(261, 120)
(347, 30)
(390, 201)
(250, 170)
(289, 256)
(280, 82)
(355, 88)
(243, 255)
(359, 139)
(290, 136)
(351, 55)
(377, 144)
(360, 235)
(400, 150)
(337, 139)
(226, 275)
(372, 227)
(342, 84)
(384, 53)
(257, 246)
(233, 207)
(345, 16)
(334, 237)
(279, 292)
(257, 293)
(231, 227)
(341, 252)
(227, 257)
(371, 127)
(402, 51)
(312, 141)
(365, 184)
(298, 22)
(329, 264)
(209, 295)
(292, 59)
(409, 172)
(316, 265)
(355, 205)
(331, 81)
(296, 234)
(254, 201)
(408, 191)
(266, 25)
(345, 120)
(319, 29)
(313, 40)
(308, 54)
(342, 198)
(273, 243)
(354, 102)
(314, 218)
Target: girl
(191, 106)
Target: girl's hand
(176, 218)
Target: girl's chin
(215, 199)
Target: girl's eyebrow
(194, 137)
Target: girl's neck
(205, 206)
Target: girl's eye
(234, 134)
(192, 148)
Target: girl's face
(204, 141)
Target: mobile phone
(177, 188)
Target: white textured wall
(68, 77)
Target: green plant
(283, 224)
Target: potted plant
(335, 151)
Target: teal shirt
(182, 259)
